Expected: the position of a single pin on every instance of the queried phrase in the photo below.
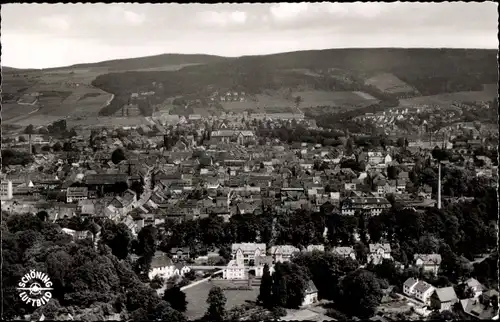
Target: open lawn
(389, 83)
(265, 104)
(11, 111)
(95, 121)
(197, 297)
(338, 99)
(488, 93)
(267, 101)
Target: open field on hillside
(197, 297)
(488, 93)
(106, 121)
(389, 83)
(265, 103)
(166, 68)
(339, 99)
(13, 110)
(63, 94)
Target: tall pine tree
(266, 285)
(216, 305)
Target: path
(161, 290)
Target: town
(240, 162)
(223, 202)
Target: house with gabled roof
(443, 299)
(282, 253)
(311, 294)
(475, 286)
(163, 266)
(248, 253)
(345, 252)
(379, 252)
(429, 262)
(419, 290)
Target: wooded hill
(429, 71)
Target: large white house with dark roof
(248, 254)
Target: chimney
(31, 149)
(439, 185)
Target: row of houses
(478, 305)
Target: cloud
(120, 15)
(133, 18)
(56, 22)
(288, 11)
(223, 18)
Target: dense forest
(431, 71)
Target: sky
(53, 35)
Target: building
(75, 194)
(163, 266)
(234, 271)
(344, 252)
(429, 262)
(419, 290)
(475, 286)
(409, 286)
(282, 253)
(478, 310)
(443, 299)
(375, 158)
(371, 206)
(311, 294)
(83, 234)
(227, 136)
(379, 252)
(6, 191)
(247, 254)
(179, 253)
(319, 248)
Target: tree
(289, 284)
(176, 298)
(392, 172)
(349, 146)
(22, 139)
(298, 100)
(145, 247)
(359, 293)
(67, 146)
(57, 147)
(117, 156)
(216, 305)
(401, 142)
(443, 316)
(156, 282)
(266, 288)
(138, 188)
(118, 237)
(164, 312)
(29, 130)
